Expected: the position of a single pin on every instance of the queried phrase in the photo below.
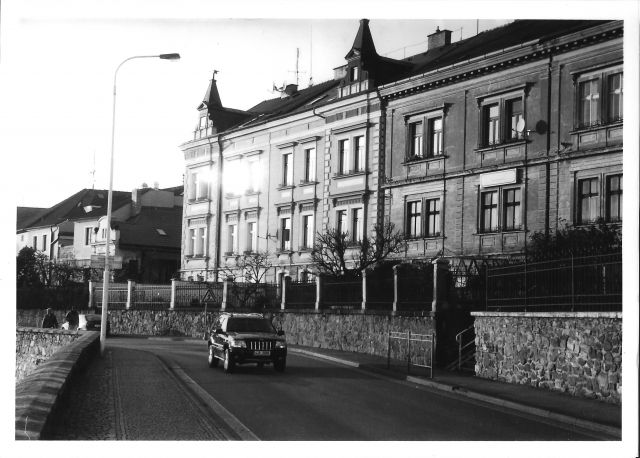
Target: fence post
(286, 280)
(364, 289)
(172, 304)
(440, 268)
(526, 288)
(92, 287)
(225, 292)
(573, 292)
(395, 287)
(130, 286)
(318, 292)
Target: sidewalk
(584, 413)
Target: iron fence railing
(118, 293)
(301, 294)
(55, 297)
(198, 294)
(415, 287)
(588, 283)
(341, 293)
(151, 295)
(253, 296)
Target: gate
(419, 349)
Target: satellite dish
(520, 125)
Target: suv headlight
(281, 344)
(238, 343)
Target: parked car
(240, 338)
(88, 322)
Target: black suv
(239, 338)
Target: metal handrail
(462, 347)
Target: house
(146, 233)
(467, 147)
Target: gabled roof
(26, 215)
(159, 227)
(85, 204)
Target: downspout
(208, 262)
(216, 264)
(547, 164)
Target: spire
(212, 97)
(363, 44)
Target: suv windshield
(249, 325)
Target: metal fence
(301, 294)
(589, 283)
(416, 349)
(198, 294)
(253, 296)
(118, 293)
(55, 297)
(341, 293)
(415, 287)
(380, 290)
(147, 297)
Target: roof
(176, 190)
(26, 215)
(85, 204)
(508, 35)
(159, 227)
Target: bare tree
(336, 254)
(252, 269)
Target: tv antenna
(93, 171)
(297, 70)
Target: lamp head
(172, 56)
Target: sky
(57, 63)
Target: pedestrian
(72, 318)
(50, 320)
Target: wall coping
(38, 393)
(617, 315)
(45, 330)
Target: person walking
(50, 320)
(72, 318)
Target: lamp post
(107, 274)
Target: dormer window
(353, 74)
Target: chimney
(136, 202)
(439, 38)
(289, 90)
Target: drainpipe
(216, 263)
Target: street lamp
(105, 281)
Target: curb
(536, 411)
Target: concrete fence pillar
(319, 280)
(92, 290)
(225, 293)
(395, 287)
(440, 289)
(172, 304)
(286, 281)
(364, 289)
(130, 288)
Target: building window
(201, 241)
(191, 242)
(614, 84)
(307, 231)
(232, 240)
(414, 219)
(87, 235)
(614, 198)
(489, 211)
(309, 165)
(353, 74)
(589, 102)
(511, 210)
(359, 150)
(432, 228)
(341, 221)
(435, 137)
(287, 170)
(588, 198)
(285, 238)
(198, 186)
(343, 157)
(514, 116)
(254, 176)
(491, 124)
(251, 237)
(415, 137)
(357, 225)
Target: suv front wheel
(228, 362)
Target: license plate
(261, 353)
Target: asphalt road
(312, 400)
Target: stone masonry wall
(576, 353)
(34, 346)
(348, 331)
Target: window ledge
(230, 254)
(307, 183)
(231, 195)
(284, 187)
(350, 174)
(198, 200)
(482, 149)
(251, 192)
(287, 252)
(500, 231)
(596, 126)
(420, 160)
(424, 237)
(196, 257)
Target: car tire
(280, 365)
(229, 365)
(213, 361)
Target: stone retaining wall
(34, 346)
(577, 353)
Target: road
(312, 400)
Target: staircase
(466, 361)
